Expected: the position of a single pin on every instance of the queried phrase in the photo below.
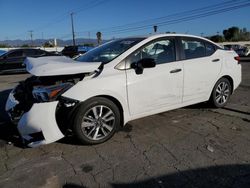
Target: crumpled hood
(58, 65)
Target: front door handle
(175, 70)
(215, 60)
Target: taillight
(237, 58)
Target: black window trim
(214, 47)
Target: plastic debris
(210, 148)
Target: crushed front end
(42, 115)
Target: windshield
(109, 51)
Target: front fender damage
(38, 126)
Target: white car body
(154, 91)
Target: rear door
(202, 66)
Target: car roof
(155, 36)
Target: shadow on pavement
(216, 177)
(8, 131)
(203, 105)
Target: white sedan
(120, 81)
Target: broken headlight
(49, 93)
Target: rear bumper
(237, 76)
(38, 126)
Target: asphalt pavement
(195, 146)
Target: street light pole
(72, 26)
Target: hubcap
(98, 122)
(222, 93)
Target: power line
(154, 20)
(165, 20)
(160, 21)
(178, 20)
(63, 17)
(90, 6)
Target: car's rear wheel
(96, 120)
(221, 93)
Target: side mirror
(143, 63)
(146, 63)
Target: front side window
(193, 48)
(109, 51)
(162, 51)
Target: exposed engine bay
(40, 89)
(43, 94)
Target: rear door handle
(215, 60)
(175, 70)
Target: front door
(159, 87)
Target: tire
(221, 93)
(96, 121)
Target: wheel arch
(117, 103)
(230, 79)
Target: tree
(25, 46)
(4, 45)
(232, 34)
(217, 38)
(99, 37)
(48, 44)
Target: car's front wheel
(221, 93)
(96, 120)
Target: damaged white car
(122, 80)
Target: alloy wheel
(222, 93)
(98, 122)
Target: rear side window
(193, 48)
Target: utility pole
(31, 37)
(72, 25)
(89, 35)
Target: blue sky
(51, 18)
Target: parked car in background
(72, 51)
(239, 49)
(13, 60)
(2, 52)
(117, 82)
